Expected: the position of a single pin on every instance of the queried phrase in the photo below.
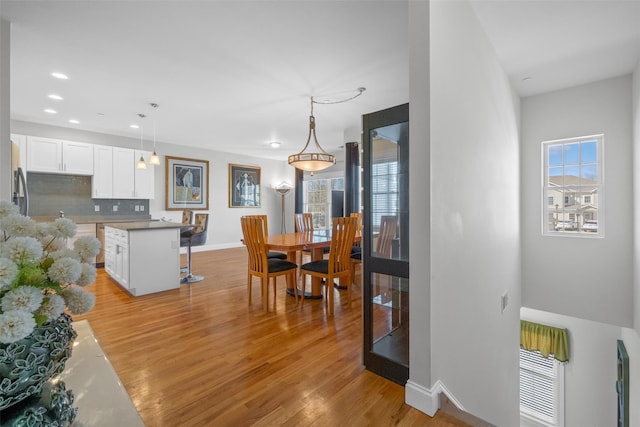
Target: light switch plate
(136, 208)
(96, 208)
(115, 208)
(141, 208)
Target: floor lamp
(283, 189)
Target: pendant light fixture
(154, 159)
(141, 163)
(314, 158)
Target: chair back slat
(265, 225)
(254, 240)
(342, 236)
(304, 222)
(388, 226)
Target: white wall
(590, 375)
(587, 278)
(475, 220)
(631, 337)
(224, 222)
(417, 393)
(5, 144)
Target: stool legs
(190, 278)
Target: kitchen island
(143, 256)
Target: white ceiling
(235, 75)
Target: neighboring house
(573, 203)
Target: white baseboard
(421, 398)
(428, 400)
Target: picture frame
(244, 186)
(187, 184)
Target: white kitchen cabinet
(124, 167)
(57, 156)
(143, 257)
(116, 255)
(102, 181)
(128, 181)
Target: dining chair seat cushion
(277, 265)
(357, 256)
(320, 266)
(276, 255)
(356, 249)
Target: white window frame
(562, 211)
(537, 366)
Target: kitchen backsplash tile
(51, 193)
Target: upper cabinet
(57, 156)
(102, 182)
(116, 177)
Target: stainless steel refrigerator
(20, 190)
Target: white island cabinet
(143, 257)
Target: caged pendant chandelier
(314, 158)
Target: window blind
(541, 388)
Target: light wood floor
(200, 356)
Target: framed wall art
(244, 186)
(187, 183)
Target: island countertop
(144, 225)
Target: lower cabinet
(142, 260)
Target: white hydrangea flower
(62, 227)
(78, 300)
(7, 208)
(15, 325)
(63, 252)
(52, 307)
(55, 244)
(42, 232)
(88, 275)
(18, 225)
(22, 250)
(86, 247)
(25, 298)
(8, 272)
(65, 270)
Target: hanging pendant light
(154, 159)
(319, 159)
(141, 163)
(309, 160)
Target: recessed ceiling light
(134, 126)
(50, 111)
(56, 97)
(60, 76)
(74, 121)
(274, 144)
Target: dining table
(314, 241)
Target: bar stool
(197, 236)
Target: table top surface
(100, 397)
(301, 240)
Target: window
(317, 199)
(541, 390)
(573, 174)
(384, 191)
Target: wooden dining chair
(338, 266)
(304, 222)
(261, 266)
(386, 234)
(356, 250)
(270, 254)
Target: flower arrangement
(39, 276)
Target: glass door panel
(386, 242)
